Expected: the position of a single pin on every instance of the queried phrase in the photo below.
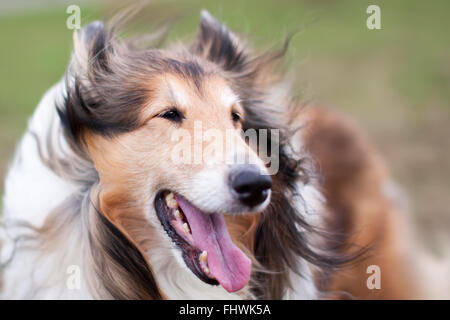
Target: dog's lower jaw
(177, 281)
(172, 275)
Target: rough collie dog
(93, 195)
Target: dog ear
(92, 44)
(93, 100)
(216, 43)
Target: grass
(35, 50)
(395, 81)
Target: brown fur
(354, 178)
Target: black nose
(251, 187)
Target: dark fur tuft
(119, 261)
(215, 43)
(96, 98)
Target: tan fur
(354, 178)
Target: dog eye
(236, 117)
(172, 115)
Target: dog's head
(164, 129)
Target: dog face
(163, 129)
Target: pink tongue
(227, 263)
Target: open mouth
(203, 238)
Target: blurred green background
(395, 82)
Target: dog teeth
(204, 256)
(171, 201)
(177, 214)
(205, 270)
(186, 227)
